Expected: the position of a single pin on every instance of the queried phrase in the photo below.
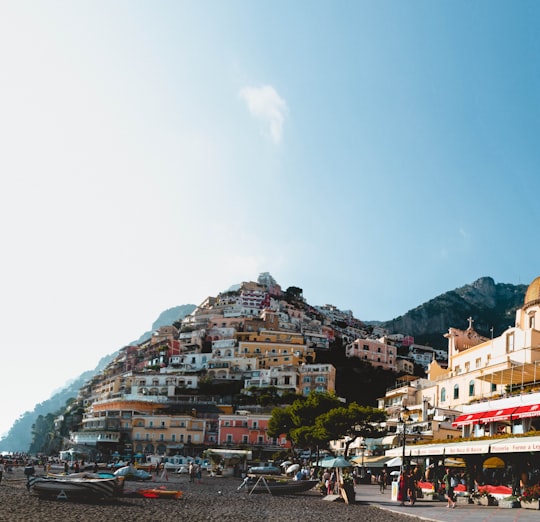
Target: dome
(533, 292)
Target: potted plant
(509, 502)
(483, 498)
(530, 498)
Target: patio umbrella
(292, 468)
(338, 462)
(286, 463)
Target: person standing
(382, 479)
(403, 487)
(2, 469)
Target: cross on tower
(471, 321)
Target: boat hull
(76, 488)
(282, 488)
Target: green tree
(351, 422)
(298, 421)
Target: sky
(374, 154)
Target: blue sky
(375, 154)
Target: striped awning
(468, 419)
(523, 412)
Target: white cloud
(265, 104)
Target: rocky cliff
(490, 304)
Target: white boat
(69, 487)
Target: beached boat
(276, 486)
(159, 493)
(80, 487)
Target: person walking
(449, 482)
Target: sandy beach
(215, 498)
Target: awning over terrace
(468, 419)
(532, 410)
(512, 372)
(498, 415)
(467, 448)
(516, 445)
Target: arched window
(443, 395)
(471, 388)
(456, 391)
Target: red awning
(498, 415)
(532, 410)
(467, 419)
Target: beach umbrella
(286, 463)
(394, 473)
(293, 468)
(338, 462)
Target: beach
(215, 498)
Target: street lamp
(363, 448)
(403, 417)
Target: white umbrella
(293, 468)
(286, 463)
(394, 473)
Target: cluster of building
(150, 398)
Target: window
(229, 438)
(471, 388)
(174, 437)
(379, 349)
(456, 391)
(510, 342)
(244, 439)
(467, 366)
(478, 362)
(366, 347)
(307, 378)
(443, 395)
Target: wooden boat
(276, 486)
(68, 487)
(159, 493)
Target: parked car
(265, 468)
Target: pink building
(375, 352)
(247, 429)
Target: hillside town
(152, 400)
